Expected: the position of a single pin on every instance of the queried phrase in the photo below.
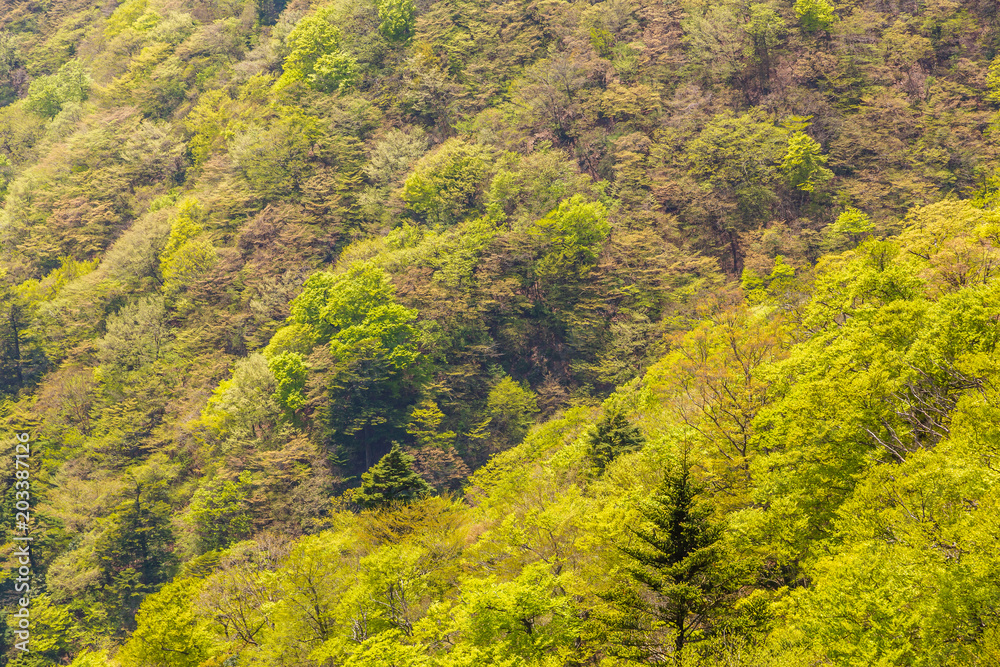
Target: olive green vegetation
(458, 333)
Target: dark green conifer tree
(676, 576)
(612, 436)
(391, 480)
(135, 554)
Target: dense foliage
(494, 332)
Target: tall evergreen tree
(678, 566)
(612, 436)
(391, 480)
(135, 554)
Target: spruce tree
(676, 576)
(391, 480)
(612, 436)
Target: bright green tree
(396, 18)
(185, 258)
(315, 56)
(244, 406)
(993, 80)
(446, 184)
(574, 233)
(48, 94)
(221, 512)
(815, 14)
(851, 226)
(804, 162)
(290, 372)
(169, 633)
(335, 72)
(375, 354)
(424, 426)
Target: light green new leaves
(916, 577)
(48, 94)
(397, 19)
(169, 633)
(356, 313)
(331, 303)
(815, 14)
(385, 333)
(243, 405)
(882, 449)
(953, 244)
(185, 258)
(575, 231)
(526, 616)
(290, 373)
(804, 162)
(445, 184)
(315, 56)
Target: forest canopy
(448, 333)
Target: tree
(804, 162)
(315, 56)
(510, 411)
(424, 426)
(239, 594)
(244, 406)
(13, 75)
(11, 328)
(611, 437)
(274, 158)
(373, 361)
(135, 552)
(48, 94)
(736, 153)
(993, 81)
(679, 568)
(764, 30)
(290, 373)
(574, 233)
(335, 72)
(169, 633)
(850, 227)
(221, 512)
(446, 184)
(185, 259)
(735, 159)
(136, 336)
(815, 14)
(390, 480)
(397, 19)
(312, 38)
(52, 630)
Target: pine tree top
(390, 480)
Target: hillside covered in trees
(527, 333)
